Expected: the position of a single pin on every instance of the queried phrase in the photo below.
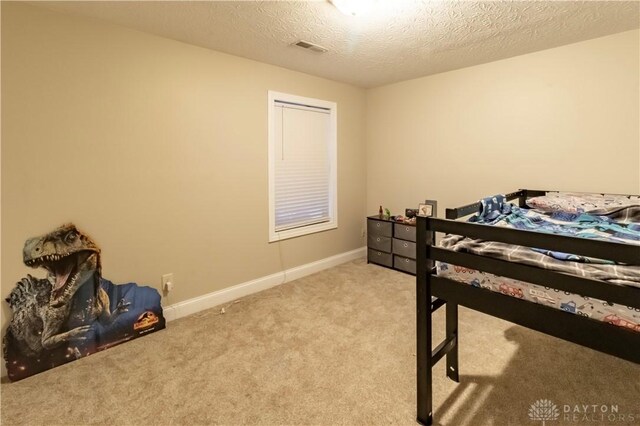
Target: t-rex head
(67, 254)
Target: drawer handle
(407, 229)
(406, 245)
(378, 225)
(379, 253)
(406, 260)
(378, 239)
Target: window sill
(305, 230)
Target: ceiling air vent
(310, 46)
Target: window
(302, 166)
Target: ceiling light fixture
(354, 7)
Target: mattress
(622, 316)
(620, 225)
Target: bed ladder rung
(436, 303)
(442, 349)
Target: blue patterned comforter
(620, 226)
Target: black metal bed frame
(432, 292)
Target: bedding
(580, 225)
(620, 224)
(596, 309)
(575, 202)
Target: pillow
(579, 202)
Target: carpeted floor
(337, 347)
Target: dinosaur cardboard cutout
(74, 312)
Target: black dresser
(391, 244)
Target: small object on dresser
(409, 213)
(387, 213)
(428, 209)
(380, 212)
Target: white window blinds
(302, 166)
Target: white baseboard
(200, 303)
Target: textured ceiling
(397, 40)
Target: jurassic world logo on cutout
(74, 312)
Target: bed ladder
(427, 358)
(449, 344)
(426, 305)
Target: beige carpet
(337, 347)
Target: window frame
(332, 107)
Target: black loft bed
(432, 292)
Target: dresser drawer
(404, 248)
(379, 228)
(380, 257)
(404, 264)
(404, 232)
(379, 243)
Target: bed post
(423, 322)
(522, 200)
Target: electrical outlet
(167, 282)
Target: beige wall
(565, 118)
(157, 149)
